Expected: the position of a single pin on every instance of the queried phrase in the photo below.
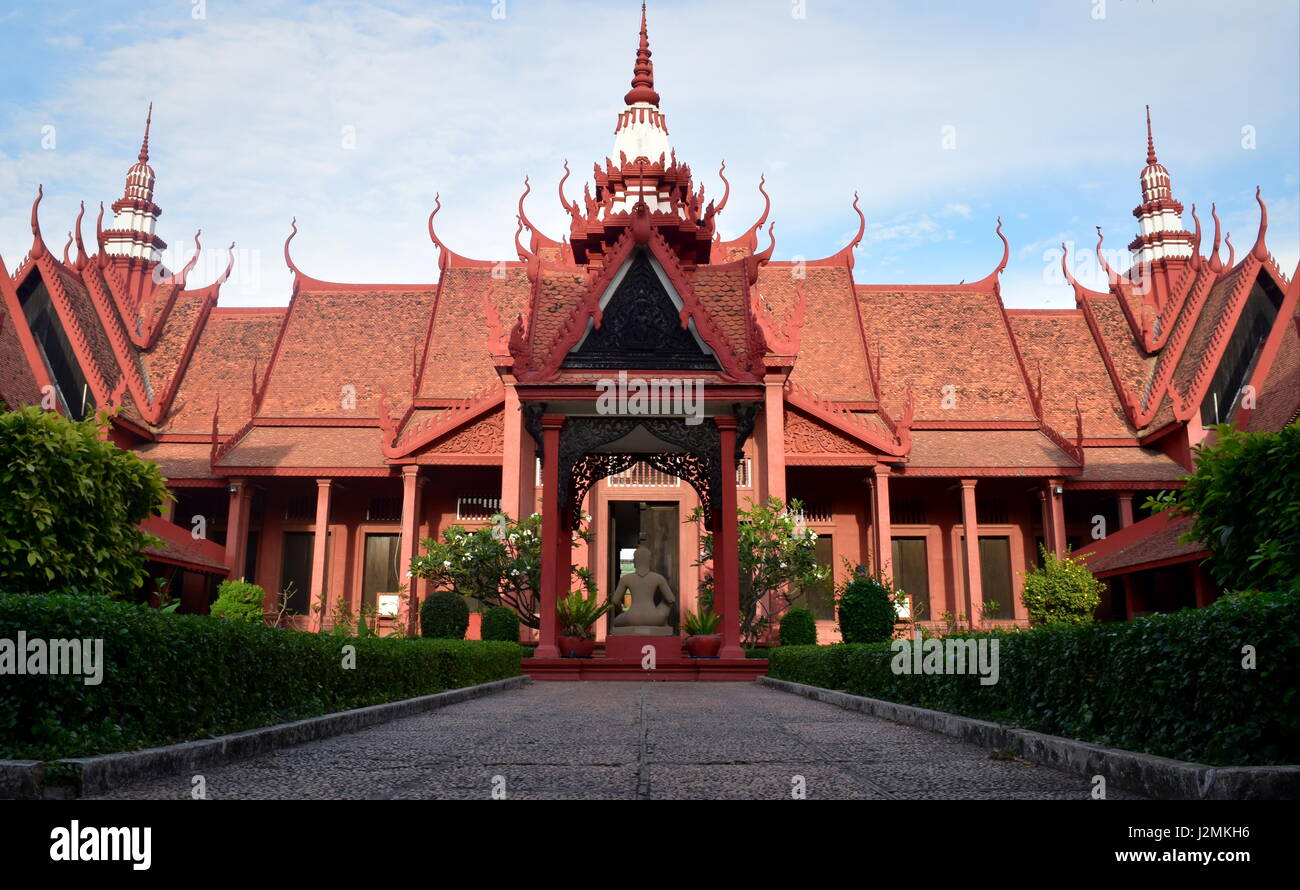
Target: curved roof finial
(643, 73)
(293, 224)
(101, 256)
(1112, 277)
(1151, 145)
(38, 243)
(767, 202)
(144, 146)
(185, 271)
(862, 224)
(76, 231)
(1232, 251)
(66, 245)
(437, 205)
(1260, 250)
(564, 202)
(1216, 264)
(230, 264)
(1065, 269)
(726, 194)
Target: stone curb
(1161, 778)
(23, 779)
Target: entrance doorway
(652, 524)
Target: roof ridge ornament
(144, 145)
(643, 77)
(1151, 145)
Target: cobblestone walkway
(629, 741)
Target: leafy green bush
(1061, 591)
(865, 608)
(500, 623)
(798, 628)
(1245, 496)
(169, 678)
(1173, 685)
(70, 506)
(444, 616)
(239, 601)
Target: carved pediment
(803, 435)
(640, 327)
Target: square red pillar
(236, 528)
(971, 531)
(553, 531)
(319, 595)
(1056, 512)
(884, 535)
(1125, 501)
(726, 562)
(410, 543)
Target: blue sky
(1045, 100)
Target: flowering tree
(777, 556)
(499, 564)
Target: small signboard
(389, 604)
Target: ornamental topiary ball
(239, 601)
(866, 610)
(798, 628)
(444, 616)
(500, 623)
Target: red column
(774, 437)
(236, 528)
(970, 528)
(1201, 584)
(884, 537)
(410, 542)
(1046, 520)
(319, 595)
(552, 532)
(726, 564)
(1056, 512)
(1125, 500)
(512, 456)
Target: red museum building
(929, 431)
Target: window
(52, 341)
(1248, 336)
(295, 569)
(381, 568)
(477, 509)
(995, 576)
(912, 574)
(820, 598)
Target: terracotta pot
(704, 646)
(576, 647)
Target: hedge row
(169, 678)
(1172, 685)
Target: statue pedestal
(630, 646)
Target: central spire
(1151, 143)
(643, 72)
(144, 146)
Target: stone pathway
(629, 741)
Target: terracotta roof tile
(1129, 464)
(222, 365)
(985, 448)
(336, 339)
(458, 362)
(307, 446)
(1062, 346)
(179, 460)
(832, 362)
(1152, 540)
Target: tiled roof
(1132, 365)
(1129, 464)
(177, 545)
(17, 384)
(932, 339)
(457, 362)
(985, 448)
(336, 339)
(831, 362)
(721, 290)
(307, 446)
(222, 365)
(1153, 540)
(1278, 399)
(179, 460)
(1062, 347)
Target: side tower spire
(1163, 243)
(135, 215)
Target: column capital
(725, 421)
(553, 421)
(410, 470)
(968, 483)
(881, 471)
(324, 483)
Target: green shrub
(168, 678)
(500, 623)
(239, 601)
(444, 616)
(70, 506)
(865, 608)
(1172, 685)
(1061, 591)
(798, 628)
(1245, 497)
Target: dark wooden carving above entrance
(641, 328)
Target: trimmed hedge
(1172, 685)
(169, 678)
(444, 615)
(500, 623)
(798, 628)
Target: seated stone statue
(643, 617)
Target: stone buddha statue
(644, 617)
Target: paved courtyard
(631, 741)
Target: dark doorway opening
(653, 524)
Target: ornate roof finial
(1151, 145)
(643, 73)
(144, 146)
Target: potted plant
(701, 641)
(577, 614)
